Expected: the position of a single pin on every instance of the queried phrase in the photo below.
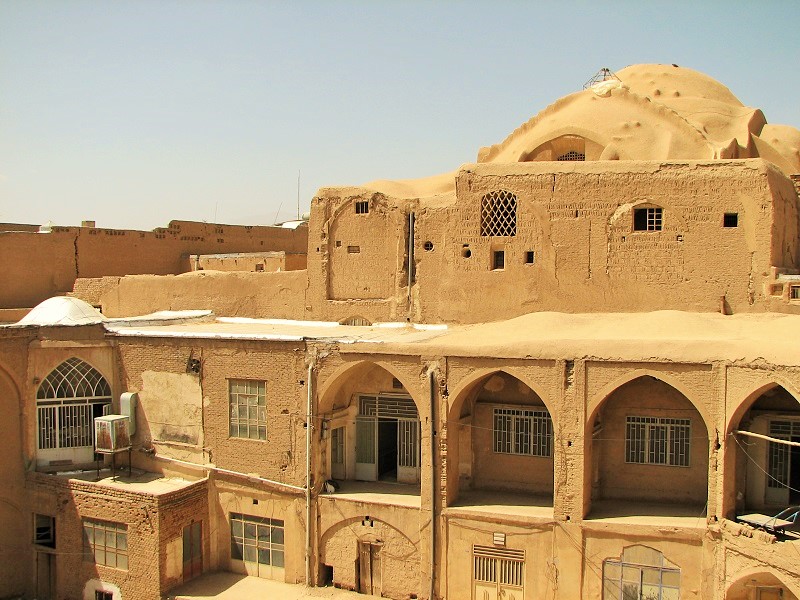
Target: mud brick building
(567, 370)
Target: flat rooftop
(140, 482)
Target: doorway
(783, 464)
(387, 439)
(45, 575)
(369, 568)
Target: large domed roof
(62, 310)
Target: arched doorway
(500, 443)
(647, 444)
(759, 585)
(767, 473)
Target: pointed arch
(746, 402)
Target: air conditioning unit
(112, 433)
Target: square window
(730, 220)
(647, 219)
(794, 292)
(530, 257)
(362, 207)
(498, 259)
(44, 530)
(248, 408)
(106, 543)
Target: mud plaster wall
(357, 263)
(42, 265)
(177, 511)
(273, 295)
(15, 517)
(587, 258)
(394, 529)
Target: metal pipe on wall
(309, 420)
(432, 378)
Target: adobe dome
(62, 310)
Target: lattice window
(503, 566)
(106, 543)
(248, 409)
(648, 219)
(257, 540)
(572, 155)
(66, 403)
(642, 573)
(499, 214)
(658, 441)
(522, 431)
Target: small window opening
(530, 257)
(353, 249)
(428, 246)
(572, 155)
(396, 384)
(466, 253)
(776, 290)
(730, 220)
(498, 259)
(647, 219)
(794, 292)
(44, 531)
(338, 243)
(362, 207)
(260, 267)
(101, 595)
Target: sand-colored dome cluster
(652, 112)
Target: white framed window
(648, 219)
(641, 573)
(658, 441)
(522, 431)
(67, 401)
(106, 543)
(258, 541)
(248, 408)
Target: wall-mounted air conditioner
(112, 434)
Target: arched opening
(647, 451)
(371, 430)
(568, 147)
(500, 445)
(759, 585)
(767, 473)
(67, 402)
(640, 573)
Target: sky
(134, 113)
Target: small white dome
(63, 310)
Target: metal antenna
(603, 74)
(298, 194)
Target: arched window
(572, 155)
(641, 573)
(499, 214)
(67, 402)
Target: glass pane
(122, 541)
(250, 553)
(651, 592)
(630, 574)
(262, 433)
(263, 556)
(630, 591)
(612, 570)
(250, 531)
(672, 578)
(236, 550)
(670, 593)
(99, 537)
(122, 561)
(100, 556)
(263, 535)
(277, 558)
(277, 535)
(236, 528)
(652, 576)
(611, 589)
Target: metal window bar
(408, 443)
(519, 431)
(660, 441)
(47, 427)
(778, 455)
(654, 219)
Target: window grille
(648, 219)
(498, 565)
(66, 403)
(101, 595)
(106, 543)
(248, 409)
(408, 445)
(337, 446)
(499, 214)
(659, 441)
(571, 156)
(499, 259)
(257, 540)
(794, 292)
(642, 574)
(362, 207)
(387, 407)
(778, 455)
(522, 431)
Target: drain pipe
(410, 266)
(432, 378)
(309, 416)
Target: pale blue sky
(135, 113)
